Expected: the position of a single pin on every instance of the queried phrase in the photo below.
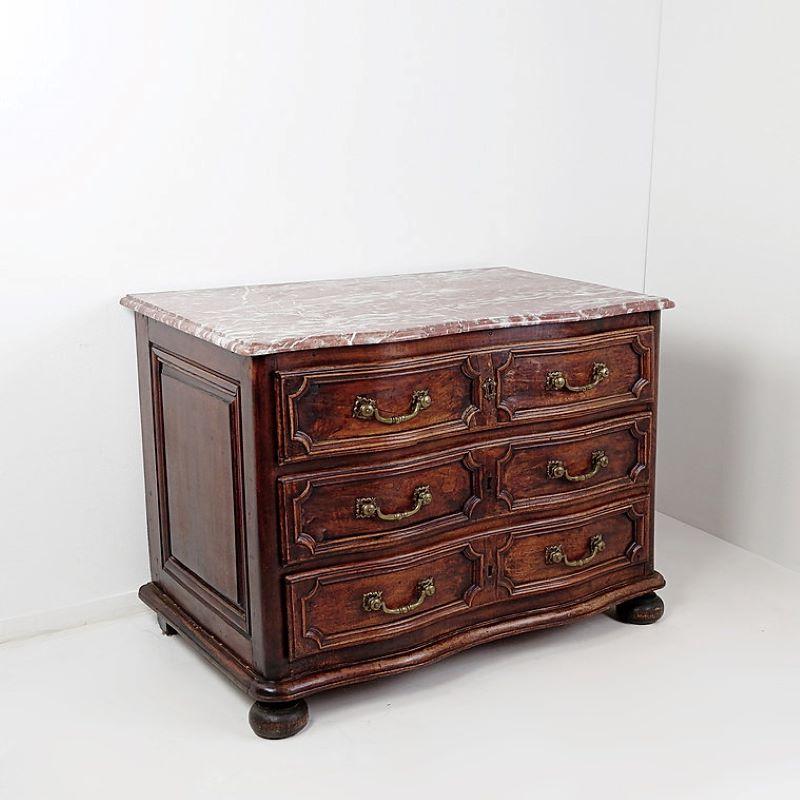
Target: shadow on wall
(725, 463)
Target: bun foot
(278, 720)
(166, 628)
(644, 610)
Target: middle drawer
(354, 509)
(358, 509)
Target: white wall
(154, 145)
(725, 244)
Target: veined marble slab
(274, 318)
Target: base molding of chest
(294, 687)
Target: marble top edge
(262, 319)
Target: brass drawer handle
(558, 380)
(556, 555)
(557, 470)
(373, 601)
(367, 507)
(367, 408)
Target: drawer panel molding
(208, 498)
(347, 409)
(543, 469)
(577, 375)
(551, 555)
(341, 606)
(330, 512)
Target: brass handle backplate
(557, 469)
(557, 381)
(373, 601)
(367, 507)
(555, 554)
(367, 408)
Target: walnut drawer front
(341, 606)
(350, 409)
(576, 375)
(350, 510)
(574, 464)
(548, 556)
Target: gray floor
(705, 704)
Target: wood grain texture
(523, 565)
(259, 687)
(320, 509)
(253, 467)
(522, 472)
(522, 377)
(326, 609)
(198, 450)
(278, 720)
(317, 405)
(643, 610)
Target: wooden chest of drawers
(349, 479)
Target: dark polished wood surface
(302, 544)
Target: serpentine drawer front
(537, 558)
(360, 409)
(579, 374)
(542, 469)
(342, 606)
(360, 604)
(346, 511)
(348, 479)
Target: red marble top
(272, 318)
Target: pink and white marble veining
(273, 318)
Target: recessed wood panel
(526, 392)
(546, 556)
(200, 483)
(326, 607)
(318, 406)
(323, 511)
(525, 478)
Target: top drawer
(345, 409)
(568, 376)
(364, 408)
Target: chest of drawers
(348, 479)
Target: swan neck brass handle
(558, 470)
(367, 507)
(373, 601)
(557, 381)
(367, 408)
(555, 554)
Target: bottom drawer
(550, 555)
(341, 606)
(553, 563)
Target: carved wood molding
(474, 375)
(307, 638)
(637, 511)
(292, 385)
(296, 490)
(637, 426)
(640, 340)
(332, 675)
(503, 410)
(163, 363)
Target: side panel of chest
(193, 421)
